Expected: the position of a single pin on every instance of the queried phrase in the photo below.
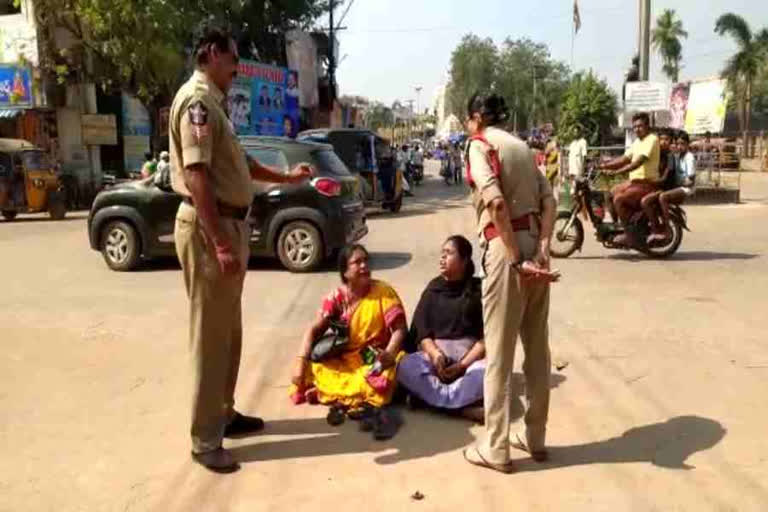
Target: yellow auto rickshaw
(28, 181)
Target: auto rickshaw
(368, 156)
(28, 181)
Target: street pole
(418, 104)
(645, 38)
(331, 57)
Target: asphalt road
(661, 407)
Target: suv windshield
(328, 162)
(35, 161)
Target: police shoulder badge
(198, 113)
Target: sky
(390, 47)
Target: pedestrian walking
(516, 212)
(212, 173)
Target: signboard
(136, 132)
(99, 129)
(678, 105)
(17, 39)
(15, 87)
(264, 100)
(707, 102)
(646, 96)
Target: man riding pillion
(641, 161)
(516, 213)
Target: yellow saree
(342, 380)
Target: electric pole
(645, 38)
(331, 56)
(418, 107)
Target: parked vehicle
(299, 224)
(568, 235)
(363, 152)
(28, 181)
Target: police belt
(519, 224)
(225, 210)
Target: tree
(522, 61)
(473, 69)
(589, 104)
(745, 65)
(377, 116)
(143, 47)
(666, 40)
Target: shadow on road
(666, 444)
(78, 216)
(681, 256)
(424, 434)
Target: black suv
(300, 224)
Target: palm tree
(746, 64)
(666, 40)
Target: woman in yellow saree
(362, 377)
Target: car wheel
(120, 246)
(9, 214)
(300, 247)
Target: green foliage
(588, 105)
(478, 65)
(143, 46)
(666, 39)
(379, 116)
(747, 65)
(517, 62)
(473, 68)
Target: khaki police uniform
(511, 306)
(200, 133)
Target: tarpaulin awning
(9, 113)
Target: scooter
(414, 172)
(568, 235)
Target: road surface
(661, 407)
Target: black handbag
(331, 344)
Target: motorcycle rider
(679, 184)
(641, 161)
(666, 181)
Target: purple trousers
(417, 374)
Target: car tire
(300, 247)
(9, 215)
(120, 246)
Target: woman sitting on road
(446, 366)
(359, 380)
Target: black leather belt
(225, 210)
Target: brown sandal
(538, 455)
(481, 462)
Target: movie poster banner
(264, 100)
(707, 102)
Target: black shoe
(387, 424)
(218, 461)
(243, 425)
(415, 403)
(336, 416)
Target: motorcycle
(568, 235)
(414, 173)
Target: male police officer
(516, 214)
(212, 173)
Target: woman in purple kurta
(446, 364)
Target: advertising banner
(646, 96)
(136, 132)
(678, 105)
(707, 102)
(264, 100)
(15, 87)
